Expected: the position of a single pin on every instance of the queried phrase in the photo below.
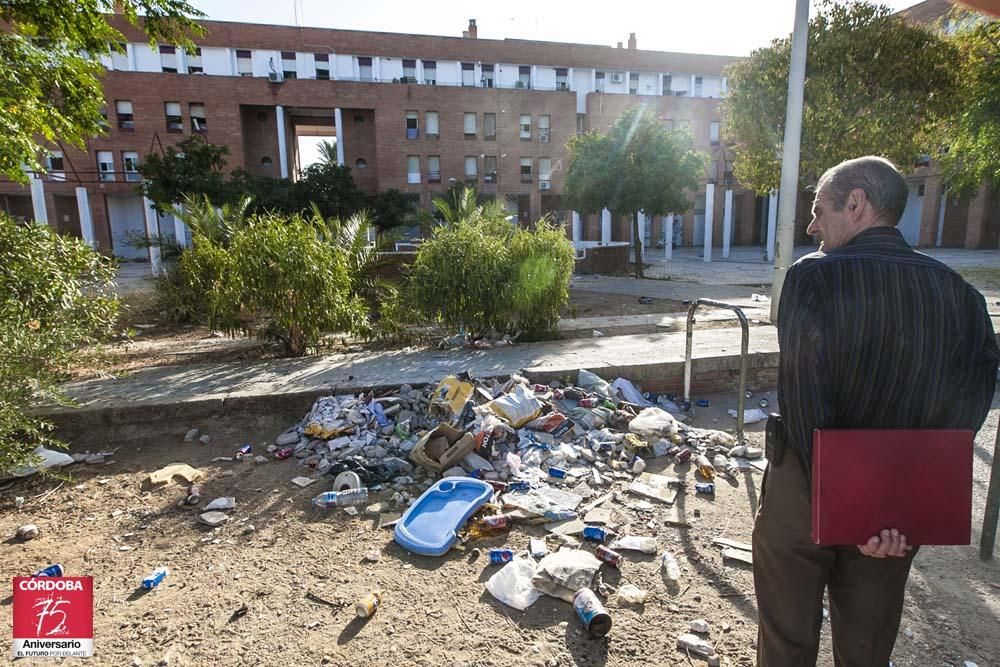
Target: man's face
(833, 228)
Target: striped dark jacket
(877, 335)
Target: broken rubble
(213, 519)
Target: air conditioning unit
(616, 77)
(274, 77)
(544, 185)
(543, 135)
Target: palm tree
(327, 151)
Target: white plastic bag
(518, 407)
(751, 416)
(653, 423)
(565, 572)
(632, 594)
(512, 584)
(646, 545)
(49, 459)
(594, 384)
(630, 393)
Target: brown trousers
(790, 573)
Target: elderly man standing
(872, 335)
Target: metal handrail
(744, 324)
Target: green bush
(277, 279)
(480, 274)
(54, 297)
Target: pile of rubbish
(469, 458)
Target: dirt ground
(276, 549)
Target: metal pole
(992, 513)
(785, 251)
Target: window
(266, 161)
(361, 163)
(364, 68)
(288, 67)
(728, 175)
(322, 66)
(126, 120)
(544, 173)
(411, 125)
(713, 132)
(119, 59)
(130, 165)
(194, 62)
(920, 190)
(668, 124)
(667, 82)
(633, 83)
(431, 121)
(175, 123)
(524, 76)
(543, 128)
(244, 63)
(599, 81)
(487, 79)
(561, 82)
(525, 127)
(430, 72)
(433, 168)
(471, 167)
(412, 168)
(526, 169)
(468, 74)
(469, 125)
(198, 123)
(489, 168)
(104, 117)
(489, 126)
(105, 166)
(168, 59)
(409, 71)
(697, 86)
(54, 165)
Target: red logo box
(53, 617)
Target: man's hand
(888, 544)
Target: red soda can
(540, 388)
(588, 403)
(612, 558)
(558, 394)
(498, 486)
(682, 456)
(283, 453)
(497, 521)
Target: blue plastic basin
(429, 527)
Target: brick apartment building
(409, 112)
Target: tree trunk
(637, 244)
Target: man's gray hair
(883, 184)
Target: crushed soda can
(597, 534)
(592, 613)
(283, 453)
(243, 451)
(587, 403)
(194, 494)
(50, 571)
(558, 473)
(703, 403)
(155, 578)
(501, 556)
(519, 485)
(368, 605)
(707, 488)
(682, 456)
(612, 558)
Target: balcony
(413, 179)
(490, 178)
(433, 176)
(133, 177)
(412, 133)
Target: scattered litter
(695, 644)
(751, 416)
(303, 481)
(700, 626)
(632, 594)
(537, 548)
(738, 555)
(191, 435)
(565, 572)
(513, 584)
(224, 503)
(368, 605)
(47, 459)
(213, 519)
(646, 545)
(155, 578)
(669, 568)
(205, 439)
(592, 613)
(27, 532)
(657, 487)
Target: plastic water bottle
(668, 565)
(348, 498)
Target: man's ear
(855, 204)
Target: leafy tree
(973, 137)
(191, 168)
(331, 188)
(50, 87)
(875, 85)
(637, 166)
(327, 151)
(54, 297)
(392, 209)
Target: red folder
(917, 481)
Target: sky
(726, 27)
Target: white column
(279, 112)
(130, 53)
(458, 70)
(709, 214)
(772, 223)
(231, 57)
(628, 81)
(180, 230)
(420, 71)
(668, 245)
(691, 89)
(593, 79)
(642, 230)
(659, 83)
(605, 227)
(38, 201)
(569, 79)
(727, 223)
(339, 123)
(377, 62)
(534, 77)
(86, 221)
(577, 228)
(182, 61)
(940, 225)
(153, 234)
